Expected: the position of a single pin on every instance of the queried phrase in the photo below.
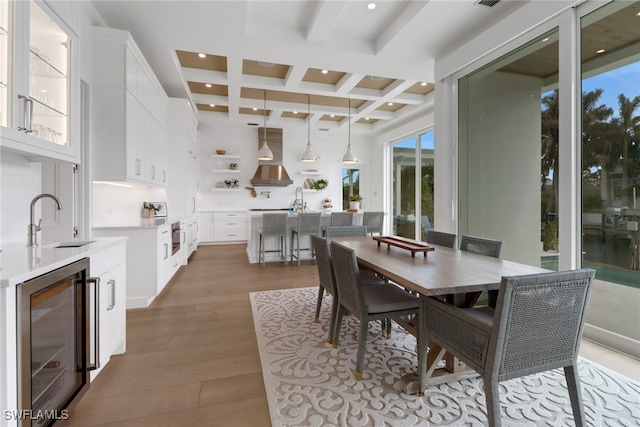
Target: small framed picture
(160, 208)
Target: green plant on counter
(321, 184)
(149, 205)
(355, 198)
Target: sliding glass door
(553, 169)
(610, 63)
(412, 187)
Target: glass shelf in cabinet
(42, 109)
(43, 67)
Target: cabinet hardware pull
(153, 172)
(27, 114)
(112, 304)
(138, 167)
(166, 250)
(95, 281)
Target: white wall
(19, 183)
(121, 203)
(329, 146)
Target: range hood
(271, 172)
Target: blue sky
(624, 80)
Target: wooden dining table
(457, 276)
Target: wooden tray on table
(409, 245)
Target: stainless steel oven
(57, 335)
(175, 237)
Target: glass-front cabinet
(38, 94)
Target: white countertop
(19, 263)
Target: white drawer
(220, 216)
(230, 235)
(230, 223)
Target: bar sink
(72, 244)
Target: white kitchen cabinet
(129, 113)
(39, 81)
(110, 266)
(191, 237)
(205, 227)
(150, 264)
(223, 227)
(183, 151)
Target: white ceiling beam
(234, 73)
(323, 19)
(294, 76)
(395, 29)
(348, 82)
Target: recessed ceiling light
(389, 104)
(266, 64)
(333, 115)
(325, 71)
(546, 39)
(423, 84)
(212, 105)
(255, 108)
(376, 78)
(208, 85)
(366, 118)
(295, 112)
(371, 6)
(600, 51)
(202, 55)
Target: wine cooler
(57, 321)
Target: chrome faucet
(32, 239)
(300, 206)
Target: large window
(412, 185)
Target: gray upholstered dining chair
(482, 246)
(327, 280)
(341, 218)
(373, 221)
(308, 224)
(346, 230)
(367, 303)
(536, 326)
(274, 225)
(441, 238)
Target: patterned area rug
(309, 383)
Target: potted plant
(321, 184)
(354, 201)
(148, 210)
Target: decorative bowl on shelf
(220, 184)
(221, 152)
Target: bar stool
(274, 225)
(341, 218)
(373, 221)
(308, 224)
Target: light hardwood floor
(192, 357)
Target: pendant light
(309, 155)
(349, 157)
(265, 153)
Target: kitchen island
(255, 223)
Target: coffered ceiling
(328, 53)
